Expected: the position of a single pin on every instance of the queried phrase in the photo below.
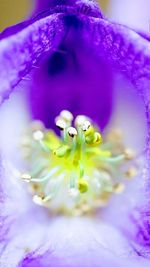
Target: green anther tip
(61, 151)
(94, 139)
(97, 138)
(83, 186)
(89, 131)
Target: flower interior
(77, 172)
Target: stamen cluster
(77, 172)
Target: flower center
(77, 172)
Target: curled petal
(124, 49)
(20, 51)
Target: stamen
(86, 125)
(72, 131)
(129, 154)
(66, 115)
(46, 177)
(79, 121)
(38, 135)
(26, 177)
(38, 200)
(119, 188)
(131, 172)
(61, 151)
(79, 171)
(60, 123)
(83, 186)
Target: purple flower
(70, 56)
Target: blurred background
(13, 11)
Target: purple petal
(67, 69)
(145, 35)
(17, 211)
(57, 241)
(81, 242)
(130, 53)
(53, 73)
(14, 200)
(71, 82)
(45, 4)
(120, 45)
(21, 50)
(130, 117)
(89, 7)
(124, 49)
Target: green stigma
(78, 171)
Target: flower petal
(121, 46)
(56, 241)
(130, 54)
(21, 49)
(13, 119)
(124, 49)
(77, 242)
(74, 79)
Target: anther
(86, 125)
(38, 135)
(61, 124)
(131, 172)
(34, 188)
(26, 177)
(75, 164)
(79, 121)
(97, 138)
(93, 138)
(83, 186)
(129, 154)
(119, 188)
(72, 131)
(61, 151)
(66, 115)
(38, 199)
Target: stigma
(78, 171)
